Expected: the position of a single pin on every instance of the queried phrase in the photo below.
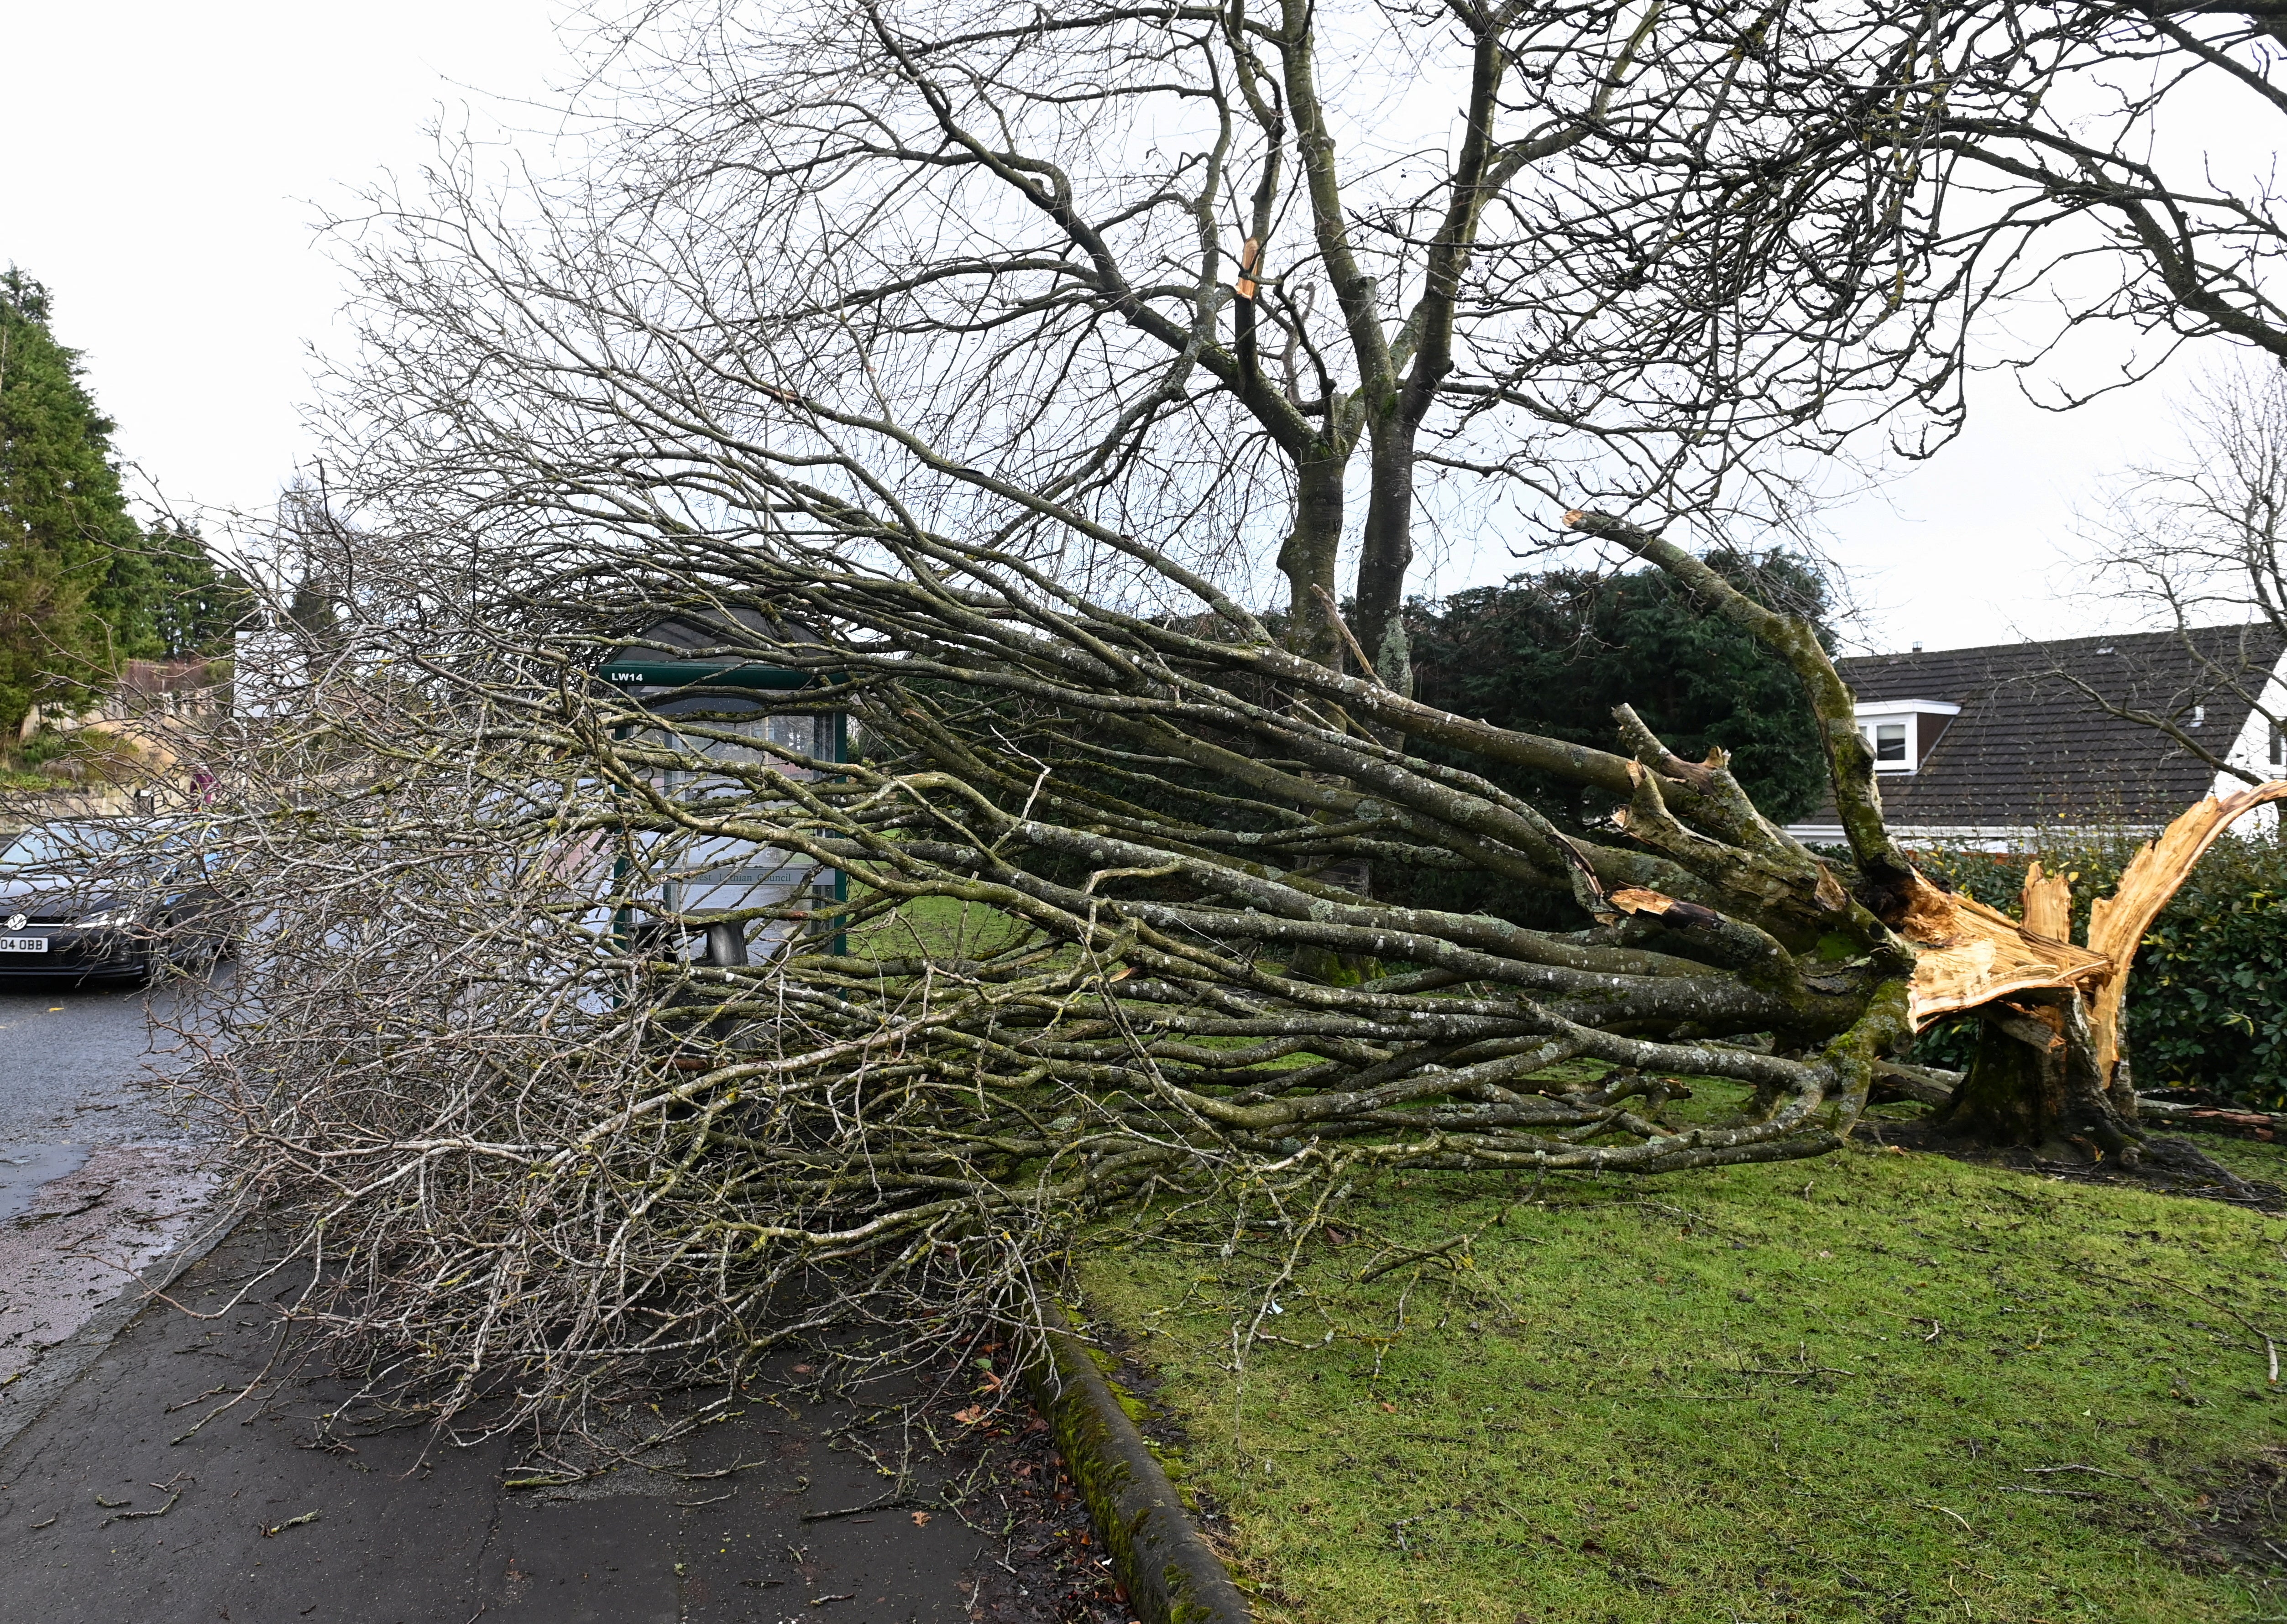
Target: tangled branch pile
(901, 349)
(473, 1045)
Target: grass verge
(1879, 1386)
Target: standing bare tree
(1281, 273)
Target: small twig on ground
(125, 1516)
(1395, 1264)
(889, 1504)
(1950, 1512)
(720, 1472)
(261, 1378)
(292, 1522)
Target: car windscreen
(58, 846)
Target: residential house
(1998, 747)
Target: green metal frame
(701, 673)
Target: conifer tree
(63, 516)
(81, 586)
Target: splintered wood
(1973, 954)
(2117, 923)
(2048, 904)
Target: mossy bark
(2034, 1082)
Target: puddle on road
(25, 1168)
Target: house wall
(2251, 752)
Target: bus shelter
(683, 879)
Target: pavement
(116, 1505)
(170, 1457)
(100, 1176)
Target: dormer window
(1901, 732)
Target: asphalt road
(102, 1174)
(75, 1063)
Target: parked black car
(110, 900)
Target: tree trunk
(1385, 555)
(1307, 560)
(2036, 1082)
(2051, 1068)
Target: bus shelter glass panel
(717, 874)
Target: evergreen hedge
(2207, 997)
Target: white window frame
(1910, 711)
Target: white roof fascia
(2025, 834)
(1900, 707)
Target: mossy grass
(1878, 1385)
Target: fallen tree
(533, 1130)
(868, 361)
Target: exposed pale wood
(2047, 903)
(2117, 923)
(1973, 954)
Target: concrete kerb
(1172, 1574)
(24, 1400)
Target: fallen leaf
(803, 1369)
(921, 1519)
(1387, 1405)
(970, 1416)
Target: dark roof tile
(2032, 746)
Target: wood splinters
(2118, 922)
(1976, 955)
(1635, 900)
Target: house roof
(2034, 742)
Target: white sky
(166, 162)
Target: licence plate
(23, 944)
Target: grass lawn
(1877, 1386)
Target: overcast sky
(166, 162)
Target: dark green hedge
(2207, 999)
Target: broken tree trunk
(2049, 1069)
(2116, 924)
(1973, 955)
